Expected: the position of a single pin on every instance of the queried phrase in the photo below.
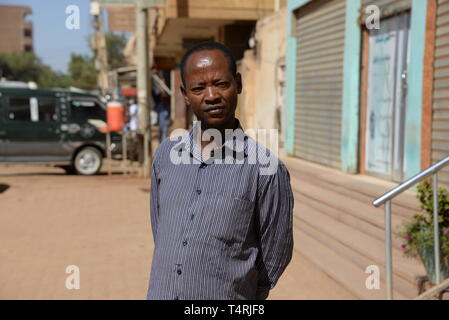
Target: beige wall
(246, 103)
(262, 71)
(219, 9)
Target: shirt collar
(235, 144)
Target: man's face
(210, 88)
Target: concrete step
(343, 232)
(347, 189)
(358, 247)
(402, 288)
(302, 280)
(352, 212)
(349, 275)
(365, 188)
(348, 219)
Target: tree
(50, 79)
(26, 66)
(20, 66)
(82, 71)
(115, 43)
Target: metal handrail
(386, 200)
(410, 182)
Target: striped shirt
(221, 231)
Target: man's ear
(184, 94)
(238, 80)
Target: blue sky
(53, 42)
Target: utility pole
(144, 61)
(99, 46)
(277, 5)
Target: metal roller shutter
(320, 31)
(387, 7)
(440, 120)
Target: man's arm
(154, 197)
(275, 220)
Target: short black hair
(209, 45)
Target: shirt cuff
(262, 293)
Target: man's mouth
(214, 109)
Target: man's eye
(222, 84)
(197, 89)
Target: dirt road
(49, 220)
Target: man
(221, 231)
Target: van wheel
(87, 161)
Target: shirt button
(179, 272)
(184, 243)
(191, 217)
(198, 192)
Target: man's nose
(212, 96)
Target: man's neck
(232, 125)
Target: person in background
(131, 127)
(133, 113)
(162, 107)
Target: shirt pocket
(228, 218)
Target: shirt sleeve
(154, 197)
(275, 223)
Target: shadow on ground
(62, 173)
(3, 187)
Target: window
(27, 32)
(32, 109)
(19, 109)
(87, 109)
(47, 110)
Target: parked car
(57, 127)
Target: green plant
(417, 235)
(115, 44)
(82, 70)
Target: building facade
(16, 33)
(368, 85)
(180, 24)
(261, 104)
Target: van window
(47, 109)
(87, 109)
(33, 109)
(19, 109)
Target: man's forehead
(207, 58)
(204, 62)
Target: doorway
(386, 97)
